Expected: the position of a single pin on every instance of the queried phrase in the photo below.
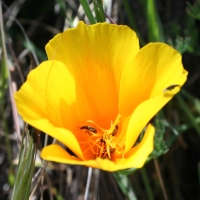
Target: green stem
(147, 183)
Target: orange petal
(47, 102)
(56, 153)
(140, 153)
(144, 80)
(97, 55)
(169, 70)
(134, 158)
(155, 67)
(143, 114)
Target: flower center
(103, 142)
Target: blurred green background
(175, 162)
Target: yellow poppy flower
(97, 92)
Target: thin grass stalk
(147, 184)
(160, 180)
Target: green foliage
(194, 10)
(187, 111)
(125, 186)
(160, 147)
(180, 44)
(192, 32)
(25, 171)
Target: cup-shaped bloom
(97, 92)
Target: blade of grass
(147, 184)
(155, 29)
(88, 11)
(99, 12)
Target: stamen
(102, 142)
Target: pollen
(103, 142)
